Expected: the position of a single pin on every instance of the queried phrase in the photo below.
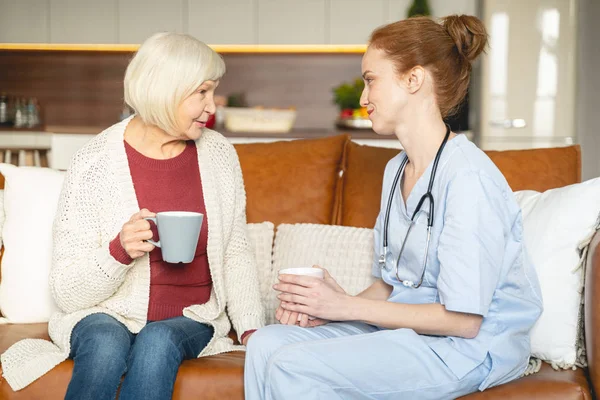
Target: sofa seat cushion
(222, 377)
(215, 377)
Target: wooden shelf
(219, 48)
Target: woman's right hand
(134, 234)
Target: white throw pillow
(555, 223)
(30, 201)
(260, 236)
(346, 252)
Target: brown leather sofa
(335, 181)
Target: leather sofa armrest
(592, 311)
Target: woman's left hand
(246, 338)
(312, 296)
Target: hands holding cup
(298, 287)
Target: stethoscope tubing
(427, 196)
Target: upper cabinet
(138, 19)
(398, 9)
(83, 21)
(218, 22)
(292, 21)
(24, 21)
(223, 21)
(441, 8)
(352, 21)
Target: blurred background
(292, 69)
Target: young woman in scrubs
(456, 294)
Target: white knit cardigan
(97, 199)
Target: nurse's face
(385, 95)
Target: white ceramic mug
(178, 233)
(316, 272)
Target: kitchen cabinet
(215, 22)
(398, 9)
(292, 21)
(24, 21)
(223, 21)
(139, 19)
(352, 21)
(529, 74)
(441, 8)
(83, 21)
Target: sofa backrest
(336, 181)
(535, 169)
(293, 182)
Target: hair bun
(468, 33)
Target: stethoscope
(426, 196)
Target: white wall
(588, 87)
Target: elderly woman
(123, 309)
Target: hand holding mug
(309, 294)
(134, 234)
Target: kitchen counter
(294, 134)
(63, 141)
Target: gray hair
(167, 68)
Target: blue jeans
(103, 350)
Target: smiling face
(195, 110)
(385, 95)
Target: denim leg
(99, 348)
(156, 354)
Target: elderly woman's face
(195, 110)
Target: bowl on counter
(353, 123)
(353, 118)
(255, 119)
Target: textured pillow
(260, 236)
(346, 252)
(556, 223)
(30, 201)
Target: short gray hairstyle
(167, 68)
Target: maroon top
(170, 185)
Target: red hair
(445, 49)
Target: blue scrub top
(477, 262)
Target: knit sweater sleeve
(243, 298)
(83, 272)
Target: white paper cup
(316, 272)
